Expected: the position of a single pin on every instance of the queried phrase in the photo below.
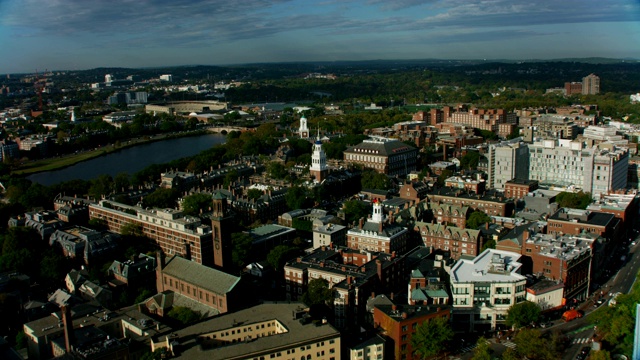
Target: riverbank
(33, 167)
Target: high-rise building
(507, 160)
(590, 85)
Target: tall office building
(590, 85)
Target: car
(585, 350)
(545, 325)
(633, 243)
(600, 301)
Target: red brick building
(455, 240)
(400, 322)
(519, 188)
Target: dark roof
(412, 311)
(381, 148)
(595, 218)
(375, 340)
(200, 275)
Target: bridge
(228, 129)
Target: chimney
(525, 235)
(379, 267)
(379, 227)
(373, 295)
(299, 260)
(67, 323)
(160, 259)
(361, 223)
(391, 297)
(404, 315)
(349, 280)
(394, 307)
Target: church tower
(318, 161)
(304, 129)
(221, 227)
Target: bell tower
(221, 227)
(318, 160)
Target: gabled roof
(202, 276)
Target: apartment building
(386, 156)
(455, 240)
(519, 188)
(484, 289)
(174, 232)
(590, 85)
(507, 160)
(483, 119)
(490, 202)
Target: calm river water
(132, 159)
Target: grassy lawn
(61, 162)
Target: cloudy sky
(83, 34)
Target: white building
(303, 131)
(166, 77)
(507, 160)
(485, 287)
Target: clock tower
(221, 224)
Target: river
(131, 160)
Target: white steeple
(376, 217)
(303, 130)
(318, 160)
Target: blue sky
(84, 34)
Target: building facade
(386, 156)
(507, 160)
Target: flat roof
(481, 269)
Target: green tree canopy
(254, 193)
(372, 179)
(195, 203)
(579, 200)
(184, 315)
(530, 344)
(431, 337)
(354, 210)
(276, 170)
(482, 350)
(162, 198)
(280, 254)
(318, 293)
(297, 197)
(470, 160)
(523, 314)
(476, 219)
(241, 248)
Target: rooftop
(296, 332)
(490, 266)
(205, 277)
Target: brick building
(174, 232)
(386, 156)
(399, 323)
(457, 241)
(377, 235)
(519, 188)
(199, 283)
(490, 202)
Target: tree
(372, 179)
(476, 219)
(579, 200)
(444, 175)
(195, 203)
(318, 293)
(297, 198)
(276, 170)
(184, 315)
(132, 230)
(523, 314)
(254, 193)
(431, 337)
(482, 350)
(354, 210)
(600, 355)
(280, 254)
(531, 345)
(241, 248)
(162, 198)
(470, 160)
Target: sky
(86, 34)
